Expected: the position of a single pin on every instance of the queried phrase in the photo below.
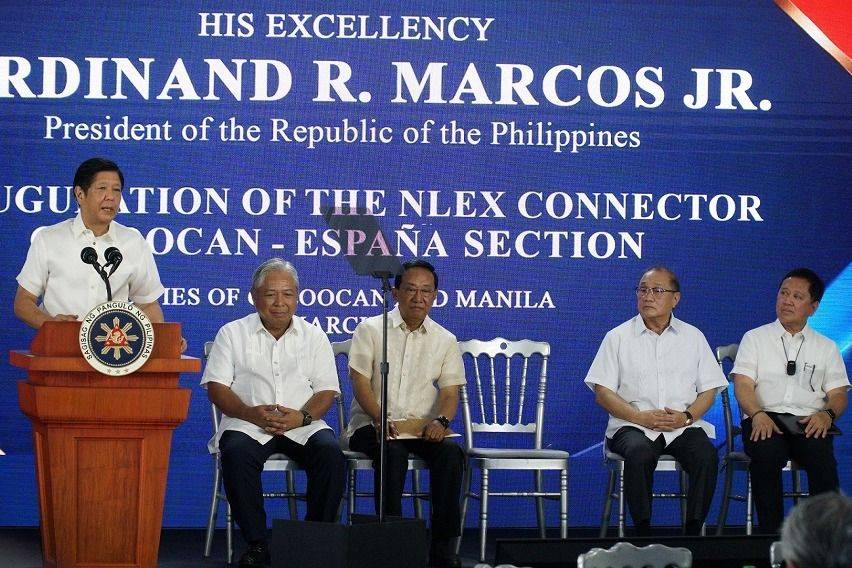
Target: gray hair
(818, 532)
(271, 265)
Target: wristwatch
(831, 414)
(689, 419)
(307, 418)
(445, 422)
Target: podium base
(395, 543)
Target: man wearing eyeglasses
(791, 383)
(425, 373)
(656, 377)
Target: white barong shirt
(54, 272)
(263, 370)
(651, 371)
(421, 362)
(819, 368)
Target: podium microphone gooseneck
(90, 256)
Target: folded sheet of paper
(413, 428)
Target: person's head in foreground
(818, 532)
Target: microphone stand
(384, 368)
(383, 268)
(90, 256)
(105, 278)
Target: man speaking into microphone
(57, 268)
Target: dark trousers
(446, 466)
(692, 449)
(768, 458)
(242, 463)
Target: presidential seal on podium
(116, 338)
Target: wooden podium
(101, 446)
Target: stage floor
(181, 548)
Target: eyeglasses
(411, 291)
(798, 297)
(642, 291)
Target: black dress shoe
(257, 554)
(442, 554)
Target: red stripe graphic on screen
(828, 22)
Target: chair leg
(684, 489)
(353, 488)
(563, 503)
(726, 498)
(621, 500)
(229, 534)
(607, 508)
(415, 490)
(465, 494)
(749, 506)
(291, 498)
(797, 485)
(214, 509)
(483, 515)
(682, 499)
(539, 505)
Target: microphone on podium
(113, 259)
(90, 256)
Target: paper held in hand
(413, 428)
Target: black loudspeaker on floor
(395, 543)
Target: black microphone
(90, 256)
(113, 259)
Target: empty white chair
(507, 403)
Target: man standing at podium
(54, 271)
(273, 376)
